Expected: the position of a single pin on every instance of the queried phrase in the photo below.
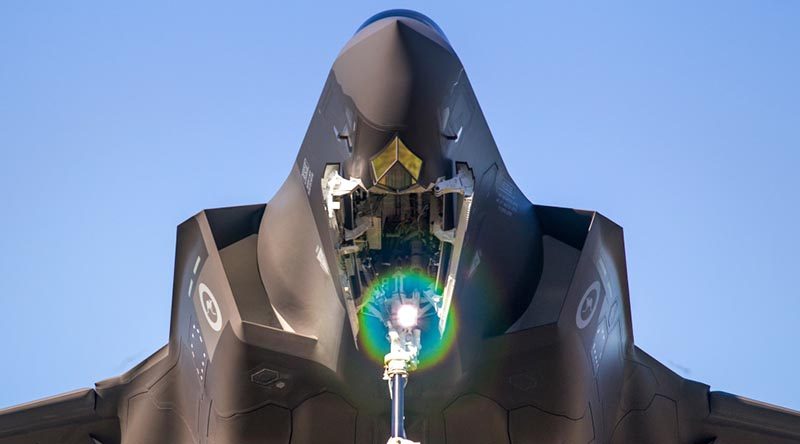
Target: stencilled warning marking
(507, 202)
(307, 175)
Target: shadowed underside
(282, 312)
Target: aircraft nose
(398, 14)
(394, 58)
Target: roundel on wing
(587, 306)
(210, 307)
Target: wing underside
(72, 418)
(737, 420)
(664, 408)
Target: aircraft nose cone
(394, 60)
(406, 14)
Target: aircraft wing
(76, 417)
(738, 420)
(665, 408)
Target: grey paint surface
(261, 345)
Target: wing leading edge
(71, 418)
(664, 408)
(738, 420)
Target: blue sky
(679, 121)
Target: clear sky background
(679, 121)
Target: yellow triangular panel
(384, 160)
(408, 159)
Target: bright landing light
(407, 316)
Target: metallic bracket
(337, 186)
(462, 183)
(363, 225)
(448, 236)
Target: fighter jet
(399, 286)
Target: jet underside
(399, 196)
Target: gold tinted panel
(385, 159)
(409, 160)
(397, 178)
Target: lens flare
(372, 336)
(407, 315)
